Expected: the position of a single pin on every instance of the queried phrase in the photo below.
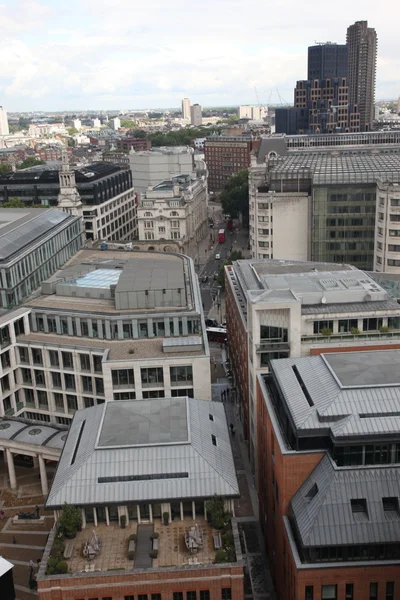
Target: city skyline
(80, 57)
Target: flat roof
(144, 424)
(20, 227)
(348, 394)
(171, 461)
(149, 272)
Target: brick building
(141, 472)
(126, 144)
(225, 156)
(329, 453)
(281, 309)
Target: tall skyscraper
(186, 108)
(328, 61)
(4, 130)
(195, 115)
(362, 43)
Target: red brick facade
(118, 585)
(238, 353)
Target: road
(236, 239)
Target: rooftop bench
(217, 541)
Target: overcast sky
(119, 54)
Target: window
(59, 402)
(69, 381)
(390, 590)
(40, 379)
(346, 325)
(372, 324)
(130, 597)
(87, 384)
(349, 591)
(181, 375)
(177, 596)
(153, 394)
(226, 594)
(54, 361)
(394, 202)
(56, 380)
(67, 360)
(391, 507)
(107, 598)
(214, 439)
(320, 325)
(37, 356)
(190, 595)
(142, 597)
(155, 596)
(309, 592)
(97, 363)
(123, 378)
(152, 376)
(85, 362)
(23, 354)
(88, 402)
(373, 591)
(72, 403)
(204, 594)
(329, 592)
(358, 505)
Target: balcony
(272, 345)
(349, 337)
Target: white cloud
(112, 53)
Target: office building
(163, 449)
(176, 209)
(225, 156)
(4, 129)
(329, 473)
(195, 115)
(325, 205)
(105, 191)
(254, 113)
(128, 143)
(150, 167)
(34, 243)
(320, 106)
(96, 122)
(115, 123)
(77, 124)
(362, 43)
(280, 309)
(108, 325)
(328, 61)
(186, 108)
(387, 140)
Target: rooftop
(345, 394)
(35, 435)
(324, 511)
(21, 227)
(42, 174)
(143, 450)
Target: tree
(31, 161)
(13, 202)
(235, 196)
(128, 123)
(72, 131)
(234, 255)
(4, 168)
(139, 133)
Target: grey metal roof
(36, 435)
(367, 402)
(206, 469)
(20, 227)
(151, 273)
(350, 307)
(322, 506)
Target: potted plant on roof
(166, 518)
(70, 520)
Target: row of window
(226, 594)
(346, 325)
(330, 592)
(150, 376)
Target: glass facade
(344, 224)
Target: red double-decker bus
(221, 236)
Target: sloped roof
(347, 394)
(151, 460)
(322, 506)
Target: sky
(125, 54)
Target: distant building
(254, 113)
(76, 123)
(199, 143)
(126, 144)
(398, 106)
(328, 61)
(175, 210)
(195, 115)
(115, 123)
(186, 108)
(226, 155)
(4, 129)
(362, 42)
(96, 122)
(150, 167)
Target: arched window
(148, 214)
(174, 213)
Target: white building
(108, 326)
(4, 129)
(195, 115)
(255, 113)
(96, 122)
(115, 123)
(186, 108)
(277, 309)
(149, 167)
(76, 123)
(176, 209)
(199, 143)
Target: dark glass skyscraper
(328, 61)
